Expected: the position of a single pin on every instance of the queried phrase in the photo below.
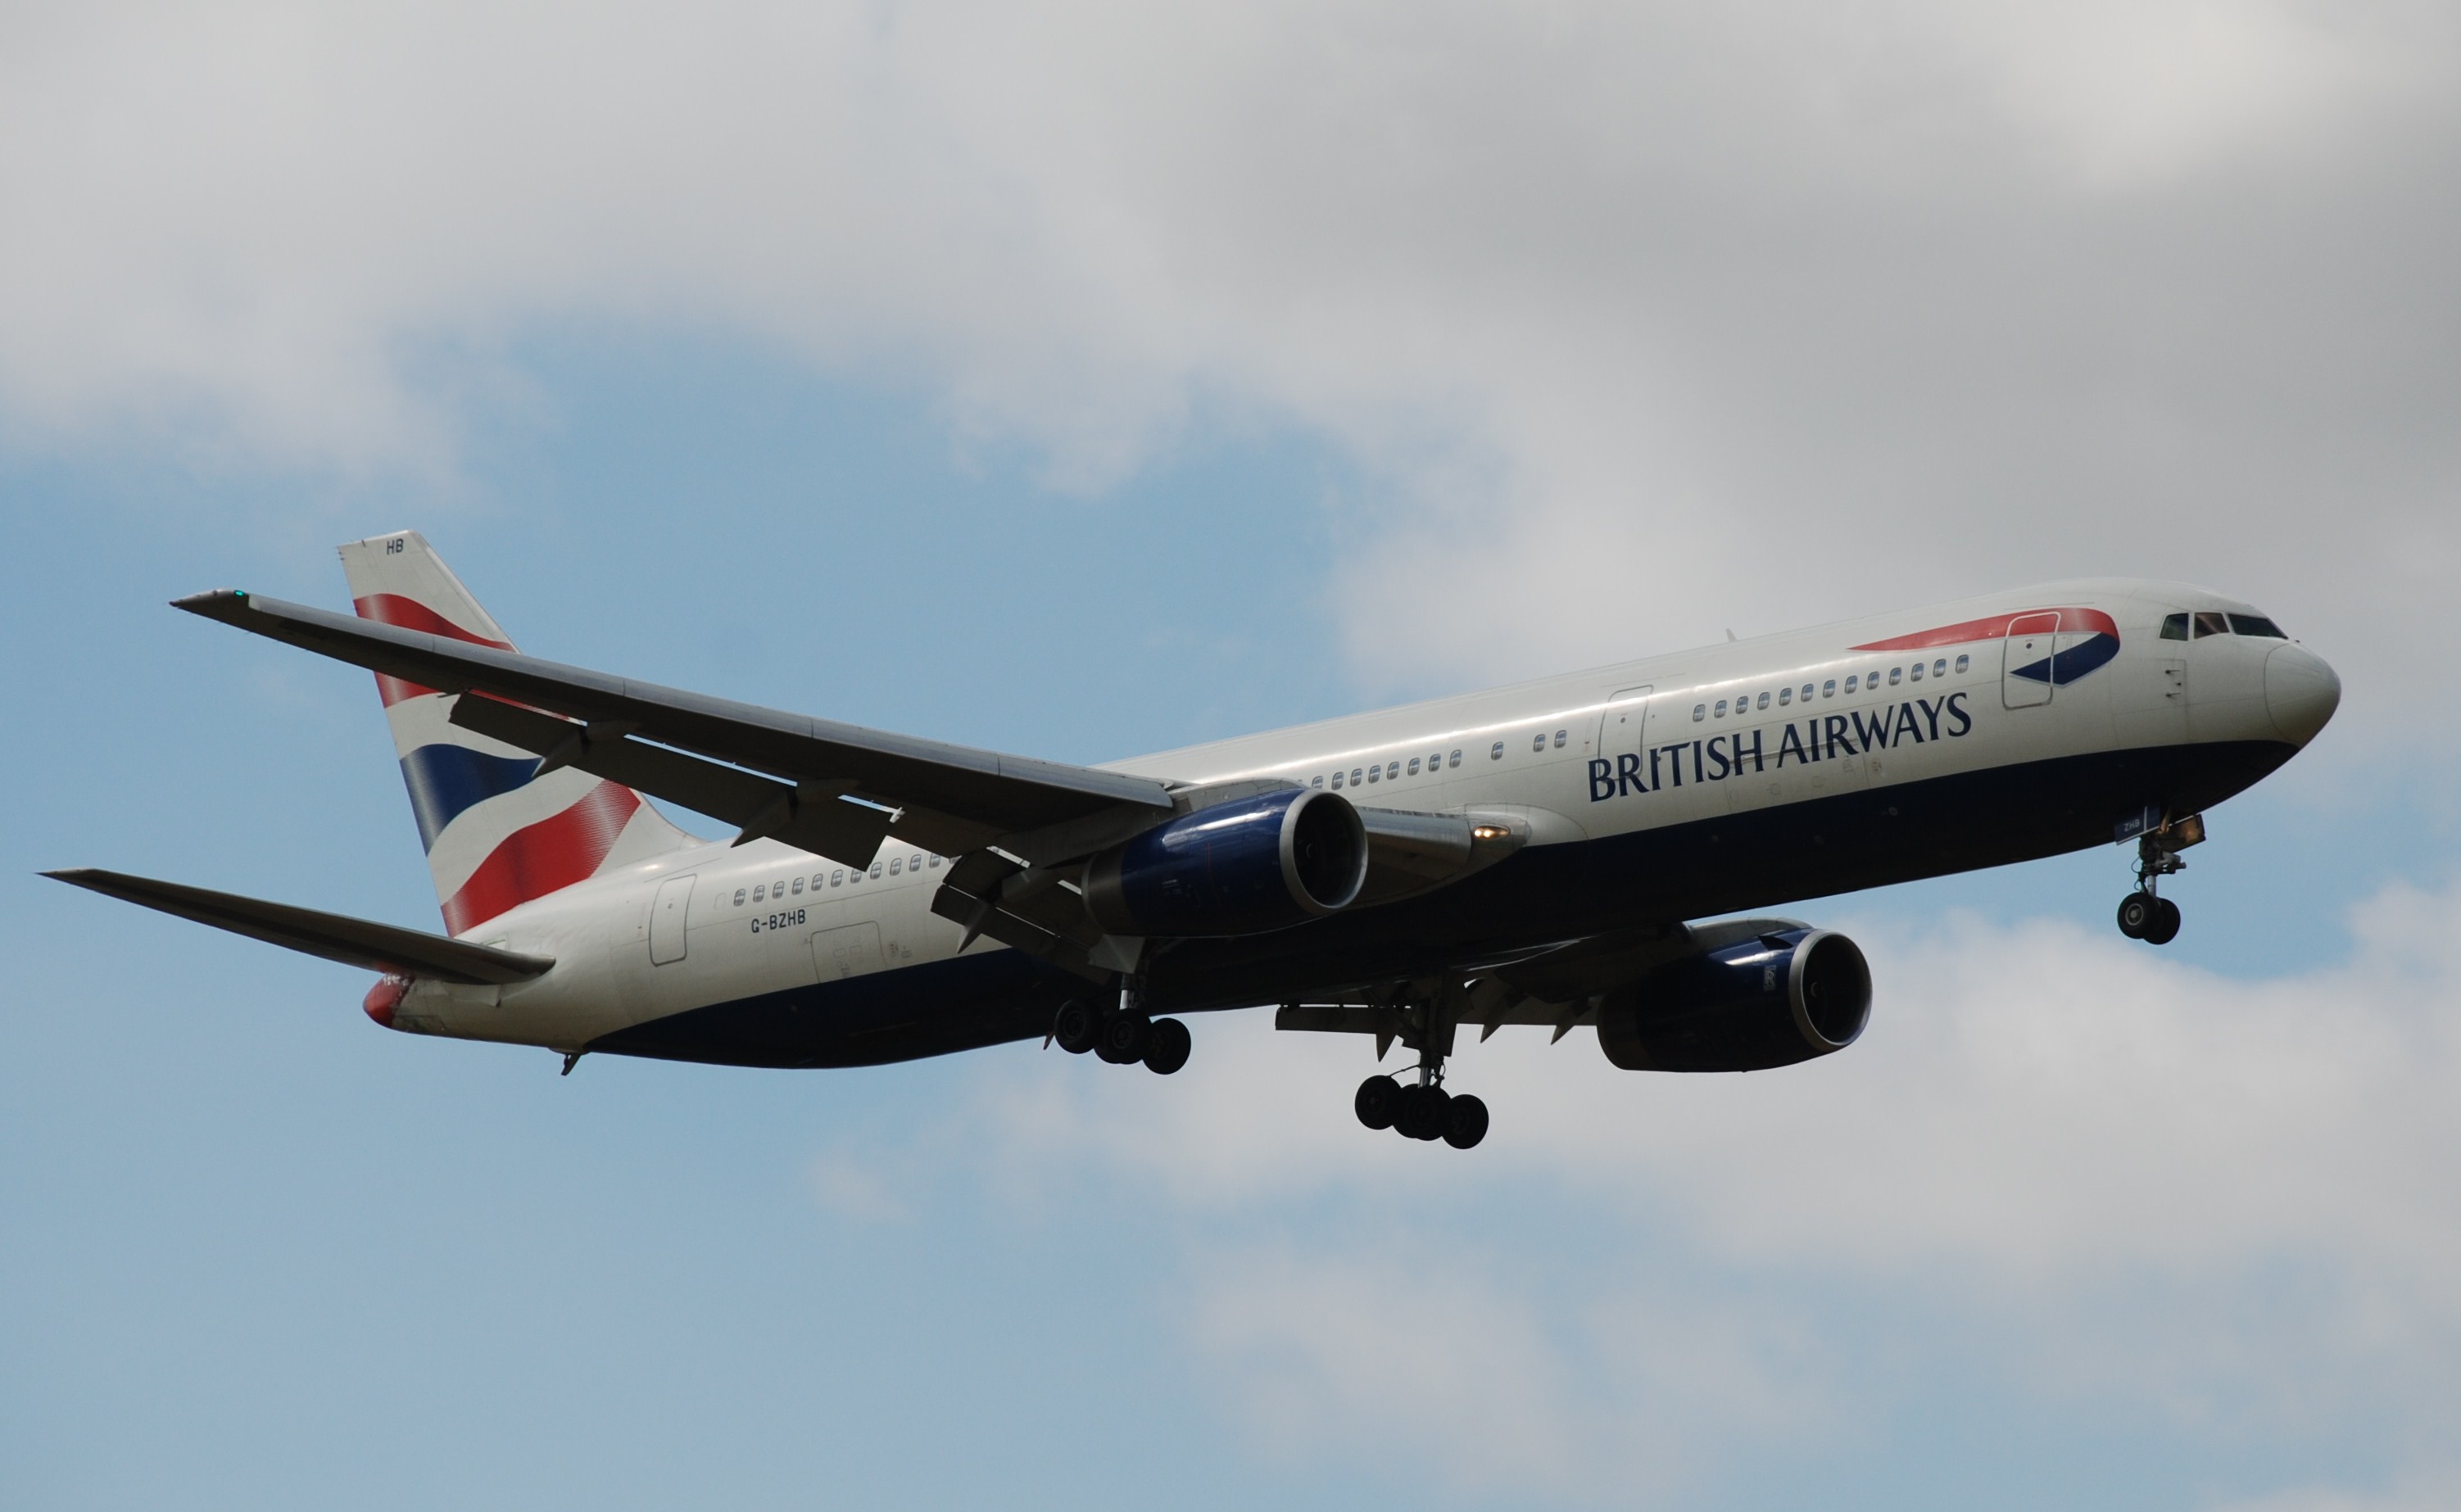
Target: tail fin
(495, 835)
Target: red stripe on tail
(409, 615)
(547, 856)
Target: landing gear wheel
(1422, 1113)
(1077, 1026)
(1465, 1121)
(1122, 1041)
(2137, 914)
(1167, 1045)
(1379, 1099)
(2165, 926)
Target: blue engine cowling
(1770, 1000)
(1242, 867)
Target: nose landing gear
(2145, 914)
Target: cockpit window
(2174, 627)
(2210, 623)
(2255, 625)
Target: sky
(1083, 380)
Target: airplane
(1560, 853)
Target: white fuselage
(1707, 734)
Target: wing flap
(809, 816)
(335, 937)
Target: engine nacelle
(1241, 867)
(1770, 1000)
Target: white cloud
(1643, 321)
(2122, 1181)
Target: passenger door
(667, 916)
(2025, 675)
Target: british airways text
(1714, 758)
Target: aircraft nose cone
(2299, 691)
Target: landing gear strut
(2145, 914)
(1423, 1109)
(1124, 1035)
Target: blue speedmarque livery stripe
(2068, 666)
(445, 779)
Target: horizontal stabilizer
(352, 942)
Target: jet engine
(1241, 867)
(1765, 1001)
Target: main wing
(834, 789)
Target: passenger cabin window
(2209, 622)
(756, 894)
(1455, 761)
(1560, 737)
(1852, 681)
(738, 897)
(816, 880)
(1806, 692)
(875, 870)
(1496, 754)
(1940, 668)
(1538, 741)
(1722, 707)
(895, 866)
(1963, 662)
(1829, 689)
(1392, 770)
(1763, 701)
(1917, 672)
(1357, 777)
(2174, 627)
(1319, 780)
(1700, 711)
(1374, 772)
(1414, 766)
(1336, 781)
(838, 876)
(2255, 625)
(1785, 697)
(1896, 673)
(799, 887)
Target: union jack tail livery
(497, 834)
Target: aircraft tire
(1167, 1045)
(1379, 1098)
(1420, 1113)
(1077, 1026)
(1123, 1038)
(1465, 1121)
(2164, 926)
(2137, 913)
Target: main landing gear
(1123, 1035)
(2145, 914)
(1421, 1110)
